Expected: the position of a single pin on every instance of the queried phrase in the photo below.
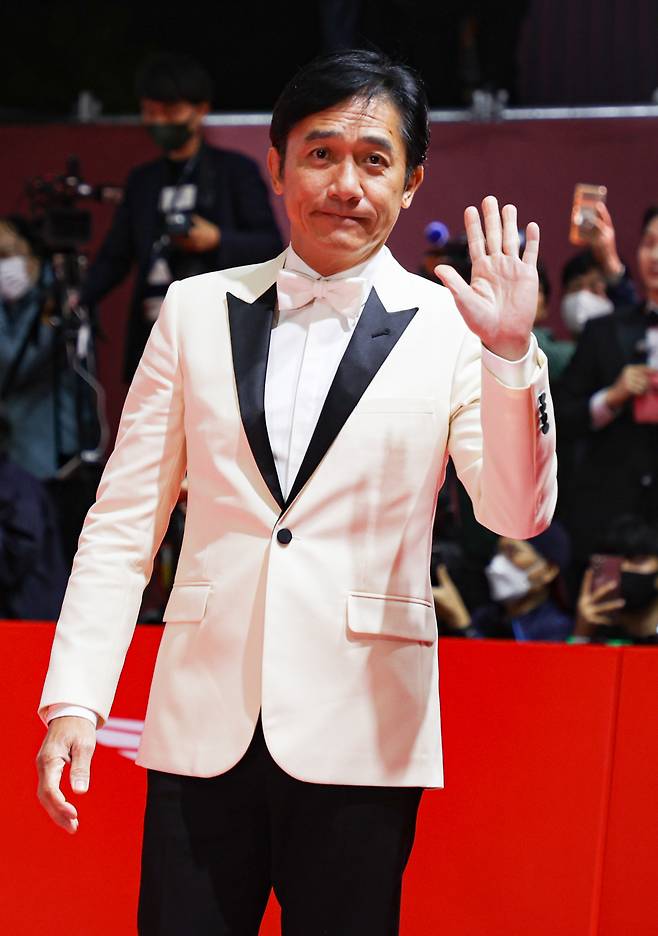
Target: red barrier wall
(534, 164)
(628, 898)
(548, 823)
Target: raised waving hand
(500, 304)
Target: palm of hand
(500, 303)
(502, 298)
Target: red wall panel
(628, 895)
(510, 845)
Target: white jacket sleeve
(502, 441)
(122, 530)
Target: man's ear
(201, 111)
(275, 169)
(412, 186)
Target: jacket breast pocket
(410, 619)
(187, 603)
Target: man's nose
(345, 183)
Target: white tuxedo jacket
(332, 634)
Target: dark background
(541, 51)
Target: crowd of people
(592, 576)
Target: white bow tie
(295, 290)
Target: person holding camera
(525, 588)
(595, 281)
(45, 394)
(621, 602)
(38, 390)
(608, 408)
(195, 210)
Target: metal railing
(486, 109)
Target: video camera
(178, 223)
(62, 226)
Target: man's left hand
(500, 304)
(202, 236)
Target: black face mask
(170, 136)
(638, 589)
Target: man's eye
(320, 152)
(375, 159)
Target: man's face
(13, 245)
(647, 258)
(343, 182)
(176, 112)
(593, 281)
(524, 556)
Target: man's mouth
(339, 216)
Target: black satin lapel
(375, 336)
(251, 326)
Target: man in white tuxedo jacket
(313, 402)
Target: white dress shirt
(306, 347)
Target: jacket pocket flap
(187, 603)
(390, 616)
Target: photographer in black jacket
(197, 209)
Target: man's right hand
(634, 380)
(70, 740)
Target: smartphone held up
(583, 212)
(606, 570)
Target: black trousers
(214, 847)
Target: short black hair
(648, 216)
(578, 265)
(631, 536)
(355, 73)
(170, 77)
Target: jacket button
(544, 428)
(284, 536)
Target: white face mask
(507, 581)
(578, 307)
(14, 278)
